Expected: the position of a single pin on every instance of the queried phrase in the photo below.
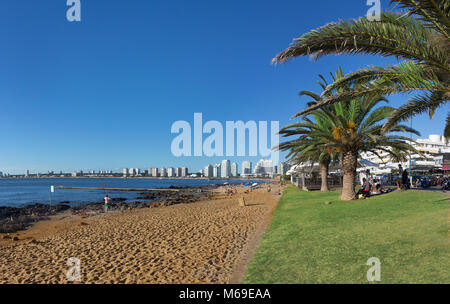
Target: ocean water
(21, 192)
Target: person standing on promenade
(107, 199)
(400, 175)
(405, 179)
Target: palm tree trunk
(324, 176)
(348, 168)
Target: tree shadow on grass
(443, 200)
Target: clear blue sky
(103, 93)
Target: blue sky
(103, 93)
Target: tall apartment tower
(125, 171)
(163, 172)
(283, 168)
(225, 171)
(178, 172)
(234, 170)
(208, 172)
(184, 172)
(246, 167)
(171, 172)
(217, 170)
(154, 172)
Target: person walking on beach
(107, 199)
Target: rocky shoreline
(13, 219)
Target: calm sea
(20, 192)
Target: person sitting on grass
(379, 189)
(365, 190)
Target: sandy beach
(203, 242)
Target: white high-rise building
(246, 168)
(225, 171)
(154, 172)
(125, 171)
(1, 174)
(234, 170)
(171, 172)
(264, 168)
(178, 172)
(208, 172)
(282, 168)
(163, 172)
(27, 173)
(131, 172)
(216, 170)
(184, 172)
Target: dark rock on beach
(14, 219)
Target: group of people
(230, 191)
(369, 186)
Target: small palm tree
(421, 37)
(307, 147)
(348, 129)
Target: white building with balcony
(431, 148)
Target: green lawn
(309, 241)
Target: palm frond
(416, 105)
(395, 35)
(435, 13)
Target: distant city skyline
(224, 169)
(72, 98)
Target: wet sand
(200, 242)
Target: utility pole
(410, 161)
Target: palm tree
(307, 147)
(348, 128)
(421, 37)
